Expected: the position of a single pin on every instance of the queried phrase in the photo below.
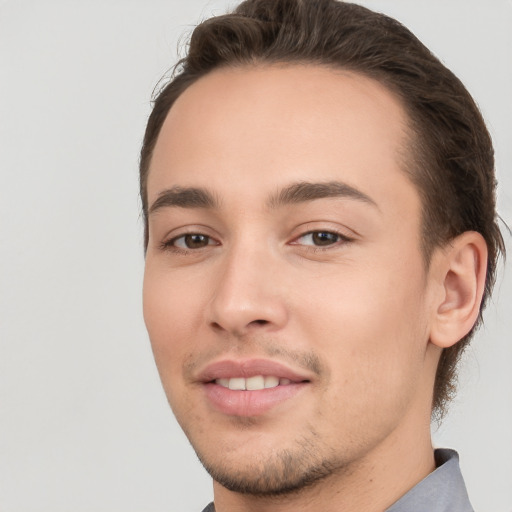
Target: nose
(249, 294)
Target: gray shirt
(441, 491)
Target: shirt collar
(441, 491)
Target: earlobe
(463, 268)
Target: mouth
(252, 387)
(255, 383)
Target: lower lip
(250, 403)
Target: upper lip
(246, 368)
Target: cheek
(169, 315)
(371, 329)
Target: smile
(251, 387)
(255, 383)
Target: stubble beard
(280, 473)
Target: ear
(463, 268)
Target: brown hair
(450, 155)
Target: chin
(281, 472)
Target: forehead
(266, 126)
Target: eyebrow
(296, 193)
(304, 191)
(188, 197)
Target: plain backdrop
(84, 424)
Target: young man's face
(284, 251)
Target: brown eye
(320, 238)
(192, 241)
(196, 241)
(324, 238)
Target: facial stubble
(280, 473)
(277, 472)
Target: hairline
(409, 155)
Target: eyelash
(341, 240)
(169, 245)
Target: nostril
(216, 326)
(260, 322)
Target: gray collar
(441, 491)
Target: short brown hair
(451, 158)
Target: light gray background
(84, 424)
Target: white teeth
(254, 383)
(271, 382)
(237, 383)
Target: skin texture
(359, 317)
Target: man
(321, 239)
